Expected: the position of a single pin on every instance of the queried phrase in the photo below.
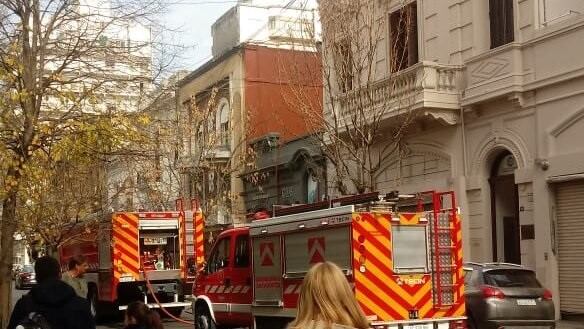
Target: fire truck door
(217, 277)
(267, 268)
(240, 292)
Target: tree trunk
(53, 250)
(6, 254)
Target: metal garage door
(570, 234)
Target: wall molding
(496, 141)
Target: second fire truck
(147, 256)
(405, 266)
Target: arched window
(223, 113)
(311, 188)
(505, 165)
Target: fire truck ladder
(190, 246)
(443, 251)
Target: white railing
(403, 87)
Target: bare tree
(216, 153)
(160, 178)
(59, 61)
(367, 104)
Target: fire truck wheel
(203, 318)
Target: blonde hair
(326, 297)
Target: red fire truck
(127, 249)
(403, 259)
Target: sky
(193, 19)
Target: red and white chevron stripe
(292, 289)
(216, 289)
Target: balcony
(496, 73)
(219, 146)
(429, 87)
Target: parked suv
(500, 295)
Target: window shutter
(494, 22)
(501, 22)
(509, 28)
(413, 34)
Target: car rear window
(511, 278)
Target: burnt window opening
(403, 38)
(343, 65)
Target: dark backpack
(34, 320)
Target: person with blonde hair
(327, 302)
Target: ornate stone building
(252, 43)
(499, 89)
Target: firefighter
(327, 301)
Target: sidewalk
(567, 324)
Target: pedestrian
(140, 316)
(327, 302)
(54, 300)
(74, 276)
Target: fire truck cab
(405, 267)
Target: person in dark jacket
(140, 316)
(54, 299)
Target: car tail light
(492, 292)
(547, 295)
(457, 324)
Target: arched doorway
(505, 210)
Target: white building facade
(120, 70)
(499, 89)
(271, 23)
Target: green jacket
(78, 284)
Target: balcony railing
(424, 85)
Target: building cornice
(209, 65)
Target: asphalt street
(168, 324)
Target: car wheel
(203, 319)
